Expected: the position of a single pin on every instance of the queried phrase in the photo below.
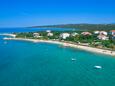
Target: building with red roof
(112, 32)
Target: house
(112, 32)
(96, 32)
(102, 37)
(50, 34)
(36, 35)
(86, 33)
(74, 34)
(64, 35)
(103, 33)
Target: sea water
(25, 63)
(10, 30)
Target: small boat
(98, 67)
(73, 59)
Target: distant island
(81, 27)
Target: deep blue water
(41, 64)
(10, 30)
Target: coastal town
(99, 39)
(96, 41)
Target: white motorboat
(73, 59)
(98, 67)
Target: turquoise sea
(41, 64)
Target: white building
(64, 35)
(102, 37)
(74, 34)
(36, 35)
(86, 33)
(50, 34)
(103, 33)
(96, 32)
(112, 32)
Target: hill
(81, 26)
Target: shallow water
(42, 64)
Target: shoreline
(91, 49)
(7, 34)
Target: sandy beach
(91, 49)
(7, 34)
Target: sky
(24, 13)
